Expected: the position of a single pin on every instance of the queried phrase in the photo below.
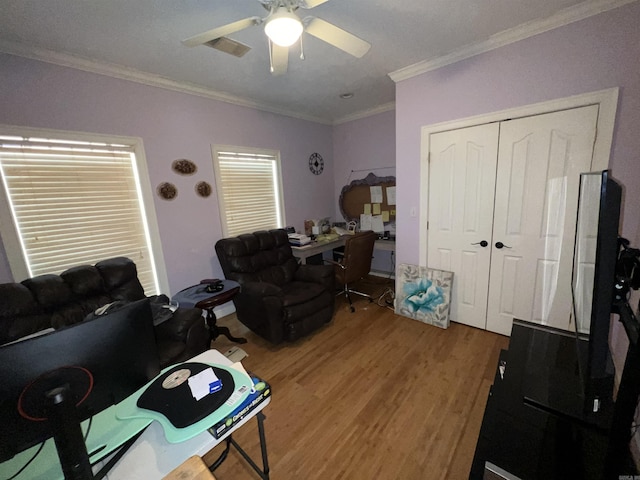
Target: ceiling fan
(283, 28)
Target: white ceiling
(141, 40)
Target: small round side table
(198, 297)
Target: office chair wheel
(352, 309)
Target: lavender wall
(364, 146)
(369, 145)
(172, 125)
(593, 54)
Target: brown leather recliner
(55, 301)
(279, 299)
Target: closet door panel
(462, 167)
(540, 159)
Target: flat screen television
(103, 360)
(594, 273)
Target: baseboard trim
(382, 273)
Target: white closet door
(462, 172)
(540, 159)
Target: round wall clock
(316, 163)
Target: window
(73, 200)
(249, 189)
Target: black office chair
(355, 264)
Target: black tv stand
(538, 422)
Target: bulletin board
(356, 198)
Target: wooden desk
(315, 248)
(387, 245)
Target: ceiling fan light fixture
(283, 28)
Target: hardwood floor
(371, 395)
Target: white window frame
(277, 172)
(9, 232)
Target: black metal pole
(67, 435)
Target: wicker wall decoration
(184, 166)
(167, 191)
(203, 189)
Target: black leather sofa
(55, 301)
(279, 299)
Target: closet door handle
(500, 245)
(482, 243)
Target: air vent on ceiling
(229, 46)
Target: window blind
(249, 190)
(76, 203)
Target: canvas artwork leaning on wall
(424, 294)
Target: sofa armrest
(187, 326)
(259, 307)
(323, 274)
(198, 338)
(260, 289)
(181, 322)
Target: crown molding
(366, 113)
(144, 78)
(512, 35)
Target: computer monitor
(595, 258)
(102, 361)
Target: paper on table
(391, 195)
(376, 194)
(235, 396)
(200, 384)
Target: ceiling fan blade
(221, 31)
(337, 37)
(279, 59)
(312, 3)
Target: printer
(298, 239)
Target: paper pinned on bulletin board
(391, 195)
(365, 222)
(376, 194)
(376, 224)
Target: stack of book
(260, 392)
